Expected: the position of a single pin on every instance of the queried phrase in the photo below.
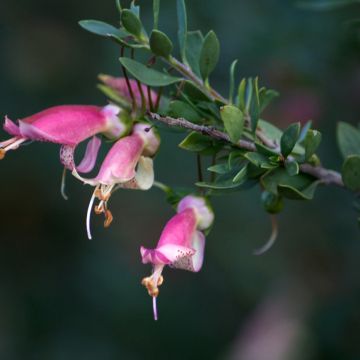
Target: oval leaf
(160, 44)
(146, 75)
(289, 138)
(233, 119)
(209, 55)
(348, 138)
(351, 172)
(131, 22)
(311, 142)
(101, 28)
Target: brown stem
(328, 177)
(133, 100)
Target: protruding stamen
(63, 182)
(155, 308)
(272, 239)
(2, 153)
(88, 215)
(15, 144)
(108, 218)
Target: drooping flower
(128, 164)
(121, 88)
(181, 243)
(67, 125)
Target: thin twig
(328, 177)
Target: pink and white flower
(128, 164)
(181, 243)
(67, 125)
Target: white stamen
(155, 309)
(273, 237)
(88, 215)
(14, 145)
(63, 181)
(7, 142)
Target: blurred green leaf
(298, 187)
(311, 143)
(348, 138)
(182, 24)
(156, 12)
(135, 8)
(241, 175)
(242, 95)
(209, 55)
(304, 131)
(147, 75)
(194, 92)
(180, 109)
(289, 138)
(292, 167)
(220, 168)
(351, 172)
(233, 119)
(194, 42)
(266, 96)
(160, 44)
(272, 203)
(254, 110)
(196, 142)
(259, 160)
(103, 29)
(131, 22)
(232, 81)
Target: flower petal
(144, 177)
(89, 160)
(11, 128)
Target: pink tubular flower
(181, 243)
(119, 85)
(128, 164)
(67, 125)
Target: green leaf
(242, 95)
(135, 8)
(272, 203)
(351, 172)
(101, 28)
(182, 24)
(304, 131)
(196, 142)
(220, 168)
(194, 92)
(156, 12)
(289, 138)
(233, 119)
(131, 22)
(118, 5)
(298, 187)
(260, 160)
(209, 55)
(180, 109)
(254, 110)
(311, 143)
(232, 81)
(147, 75)
(348, 138)
(292, 167)
(194, 42)
(266, 96)
(160, 44)
(241, 175)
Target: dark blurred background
(64, 297)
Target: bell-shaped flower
(128, 164)
(67, 125)
(181, 243)
(121, 88)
